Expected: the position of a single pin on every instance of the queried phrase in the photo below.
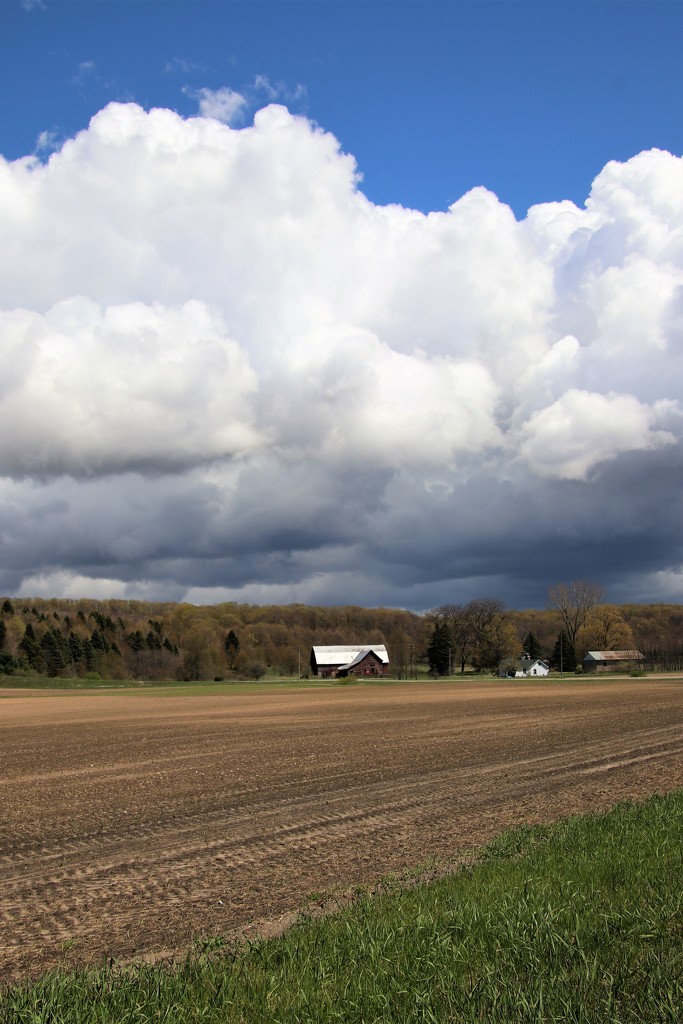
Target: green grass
(155, 686)
(581, 922)
(271, 682)
(204, 686)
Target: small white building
(529, 667)
(523, 668)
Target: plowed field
(133, 822)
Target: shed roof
(614, 656)
(343, 654)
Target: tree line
(154, 640)
(149, 640)
(484, 636)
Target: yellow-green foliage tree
(606, 629)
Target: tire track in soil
(181, 864)
(103, 886)
(662, 743)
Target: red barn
(350, 659)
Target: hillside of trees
(146, 640)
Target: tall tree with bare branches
(574, 601)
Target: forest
(125, 640)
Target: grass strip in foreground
(581, 921)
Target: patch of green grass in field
(580, 922)
(169, 686)
(153, 686)
(58, 683)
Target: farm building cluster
(595, 661)
(338, 661)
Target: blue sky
(530, 99)
(336, 302)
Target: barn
(612, 661)
(349, 659)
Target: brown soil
(134, 822)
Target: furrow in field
(238, 843)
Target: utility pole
(561, 662)
(411, 660)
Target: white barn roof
(343, 654)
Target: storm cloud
(227, 375)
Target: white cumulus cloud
(221, 315)
(583, 429)
(223, 104)
(98, 390)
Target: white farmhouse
(532, 668)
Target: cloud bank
(227, 375)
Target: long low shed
(612, 661)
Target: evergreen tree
(232, 647)
(75, 649)
(30, 648)
(7, 607)
(563, 657)
(53, 653)
(88, 653)
(99, 641)
(152, 640)
(439, 650)
(3, 634)
(532, 647)
(136, 641)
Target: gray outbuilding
(612, 661)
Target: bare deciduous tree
(574, 601)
